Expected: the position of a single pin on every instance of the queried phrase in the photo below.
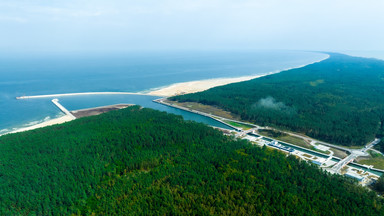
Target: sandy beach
(174, 89)
(202, 85)
(55, 121)
(197, 86)
(74, 114)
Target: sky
(128, 25)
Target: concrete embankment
(81, 94)
(216, 118)
(63, 109)
(66, 118)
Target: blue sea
(121, 72)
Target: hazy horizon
(120, 26)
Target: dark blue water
(130, 72)
(89, 101)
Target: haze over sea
(120, 72)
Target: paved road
(354, 154)
(344, 162)
(372, 144)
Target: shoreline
(59, 120)
(165, 91)
(98, 110)
(70, 117)
(199, 85)
(202, 85)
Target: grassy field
(338, 153)
(294, 140)
(205, 108)
(289, 139)
(377, 160)
(284, 137)
(349, 147)
(238, 125)
(318, 150)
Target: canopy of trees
(339, 100)
(379, 186)
(141, 161)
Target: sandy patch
(55, 121)
(198, 86)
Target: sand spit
(98, 110)
(202, 85)
(197, 86)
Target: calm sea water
(70, 73)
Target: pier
(81, 94)
(66, 118)
(63, 109)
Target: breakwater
(81, 94)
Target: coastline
(202, 85)
(71, 115)
(51, 122)
(198, 86)
(165, 91)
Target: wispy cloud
(13, 19)
(64, 12)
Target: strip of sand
(55, 121)
(202, 85)
(73, 115)
(198, 86)
(98, 110)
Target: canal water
(89, 101)
(326, 156)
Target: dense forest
(141, 161)
(380, 146)
(379, 186)
(339, 100)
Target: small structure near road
(277, 145)
(317, 162)
(354, 176)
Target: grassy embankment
(205, 108)
(214, 111)
(375, 159)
